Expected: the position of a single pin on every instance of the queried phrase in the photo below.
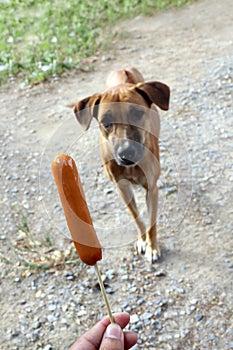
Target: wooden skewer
(103, 291)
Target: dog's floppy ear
(155, 92)
(86, 109)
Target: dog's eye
(136, 113)
(107, 122)
(107, 125)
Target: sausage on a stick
(77, 215)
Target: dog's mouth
(129, 153)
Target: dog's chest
(134, 175)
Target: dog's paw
(141, 246)
(152, 255)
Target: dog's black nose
(129, 152)
(127, 155)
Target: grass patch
(42, 39)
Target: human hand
(106, 336)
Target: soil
(185, 300)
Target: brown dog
(129, 131)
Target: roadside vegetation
(32, 254)
(42, 39)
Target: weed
(33, 254)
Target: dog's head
(124, 116)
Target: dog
(129, 126)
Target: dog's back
(130, 76)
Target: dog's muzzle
(129, 152)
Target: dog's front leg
(152, 248)
(126, 192)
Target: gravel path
(186, 300)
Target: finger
(113, 338)
(121, 318)
(91, 339)
(130, 339)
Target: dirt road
(183, 302)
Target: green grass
(40, 39)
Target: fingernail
(114, 331)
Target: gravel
(183, 302)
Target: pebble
(199, 317)
(157, 301)
(81, 313)
(184, 333)
(165, 337)
(189, 310)
(146, 316)
(17, 280)
(158, 312)
(134, 318)
(69, 275)
(28, 310)
(64, 321)
(207, 221)
(110, 274)
(36, 325)
(51, 318)
(48, 347)
(160, 273)
(15, 332)
(211, 336)
(52, 307)
(171, 314)
(106, 58)
(140, 301)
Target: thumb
(113, 338)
